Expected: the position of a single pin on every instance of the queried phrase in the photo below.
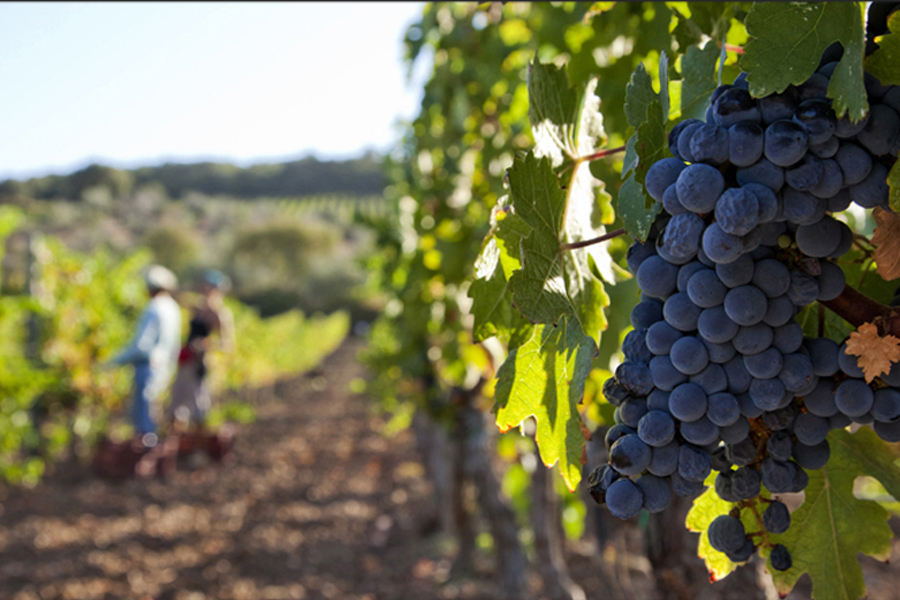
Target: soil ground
(317, 503)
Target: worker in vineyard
(211, 328)
(153, 351)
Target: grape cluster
(718, 375)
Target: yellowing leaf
(875, 353)
(887, 238)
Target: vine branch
(856, 308)
(601, 154)
(584, 243)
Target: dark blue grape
(786, 143)
(839, 421)
(687, 402)
(681, 238)
(681, 313)
(656, 277)
(634, 346)
(817, 118)
(764, 172)
(814, 88)
(699, 186)
(855, 163)
(748, 408)
(661, 336)
(724, 486)
(599, 481)
(782, 417)
(658, 400)
(831, 280)
(854, 398)
(737, 273)
(629, 455)
(614, 393)
(684, 488)
(711, 380)
(765, 365)
(801, 208)
(635, 377)
(624, 499)
(746, 482)
(832, 180)
(810, 429)
(777, 107)
(686, 272)
(777, 476)
(701, 432)
(656, 428)
(741, 453)
(631, 411)
(709, 144)
(670, 201)
(614, 433)
(780, 558)
(812, 457)
(806, 174)
(881, 131)
(745, 143)
(723, 409)
(766, 201)
(637, 254)
(719, 353)
(887, 405)
(771, 277)
(826, 149)
(753, 339)
(743, 554)
(889, 432)
(661, 175)
(646, 313)
(848, 363)
(726, 533)
(733, 106)
(804, 288)
(694, 464)
(676, 132)
(796, 371)
(746, 305)
(664, 460)
(873, 190)
(720, 246)
(779, 446)
(821, 400)
(714, 325)
(655, 491)
(777, 517)
(739, 379)
(737, 431)
(767, 393)
(737, 211)
(684, 140)
(705, 289)
(665, 376)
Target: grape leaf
(832, 525)
(884, 63)
(552, 110)
(887, 239)
(788, 41)
(552, 282)
(875, 353)
(544, 378)
(492, 307)
(698, 69)
(893, 181)
(638, 96)
(631, 208)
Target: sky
(133, 84)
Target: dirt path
(317, 505)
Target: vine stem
(856, 308)
(733, 48)
(601, 154)
(584, 243)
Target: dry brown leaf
(875, 353)
(887, 240)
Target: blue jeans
(141, 414)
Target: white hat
(160, 278)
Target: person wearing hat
(190, 393)
(153, 350)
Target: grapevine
(751, 356)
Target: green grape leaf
(884, 63)
(698, 69)
(788, 41)
(631, 208)
(492, 307)
(651, 144)
(711, 17)
(893, 181)
(544, 378)
(638, 96)
(553, 282)
(565, 120)
(832, 525)
(686, 33)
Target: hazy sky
(129, 84)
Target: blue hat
(216, 279)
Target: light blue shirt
(158, 337)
